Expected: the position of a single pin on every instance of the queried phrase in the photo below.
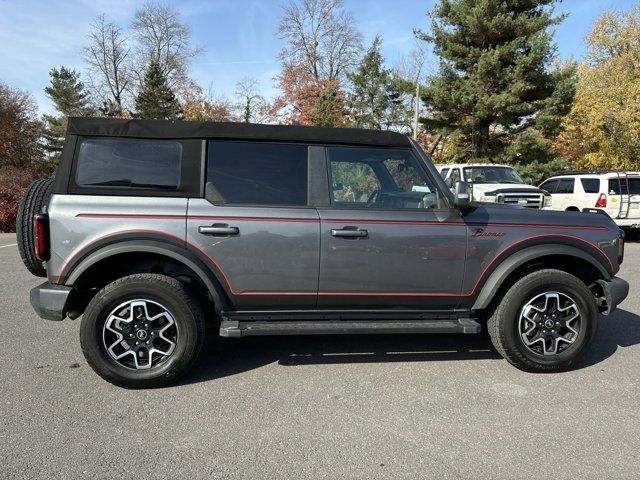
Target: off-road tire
(502, 324)
(184, 308)
(35, 200)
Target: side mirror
(462, 195)
(337, 187)
(530, 181)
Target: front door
(255, 226)
(389, 239)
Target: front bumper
(614, 292)
(50, 301)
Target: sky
(239, 37)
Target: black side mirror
(462, 195)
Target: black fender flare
(205, 274)
(509, 264)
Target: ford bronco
(153, 229)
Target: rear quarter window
(129, 164)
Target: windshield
(490, 174)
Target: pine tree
(369, 100)
(495, 95)
(155, 99)
(328, 110)
(69, 97)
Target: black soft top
(177, 129)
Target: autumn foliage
(603, 128)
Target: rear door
(388, 240)
(255, 225)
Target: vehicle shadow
(620, 329)
(224, 357)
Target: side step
(235, 328)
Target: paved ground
(318, 407)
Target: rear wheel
(545, 322)
(142, 331)
(34, 200)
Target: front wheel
(545, 322)
(142, 331)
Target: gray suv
(153, 230)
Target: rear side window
(565, 186)
(253, 173)
(129, 164)
(616, 186)
(590, 185)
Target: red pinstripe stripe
(350, 294)
(337, 220)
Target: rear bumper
(50, 301)
(615, 291)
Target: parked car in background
(492, 183)
(615, 193)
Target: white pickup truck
(495, 183)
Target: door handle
(217, 229)
(349, 232)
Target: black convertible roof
(177, 129)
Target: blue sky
(239, 36)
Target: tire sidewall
(527, 291)
(94, 318)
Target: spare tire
(35, 200)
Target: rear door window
(255, 173)
(109, 163)
(590, 185)
(565, 186)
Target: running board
(234, 328)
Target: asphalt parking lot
(318, 407)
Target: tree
(369, 100)
(109, 60)
(328, 110)
(603, 128)
(323, 45)
(494, 94)
(69, 98)
(20, 130)
(163, 37)
(250, 105)
(155, 99)
(198, 106)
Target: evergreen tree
(155, 99)
(328, 110)
(495, 95)
(69, 97)
(369, 100)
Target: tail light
(621, 247)
(41, 236)
(602, 201)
